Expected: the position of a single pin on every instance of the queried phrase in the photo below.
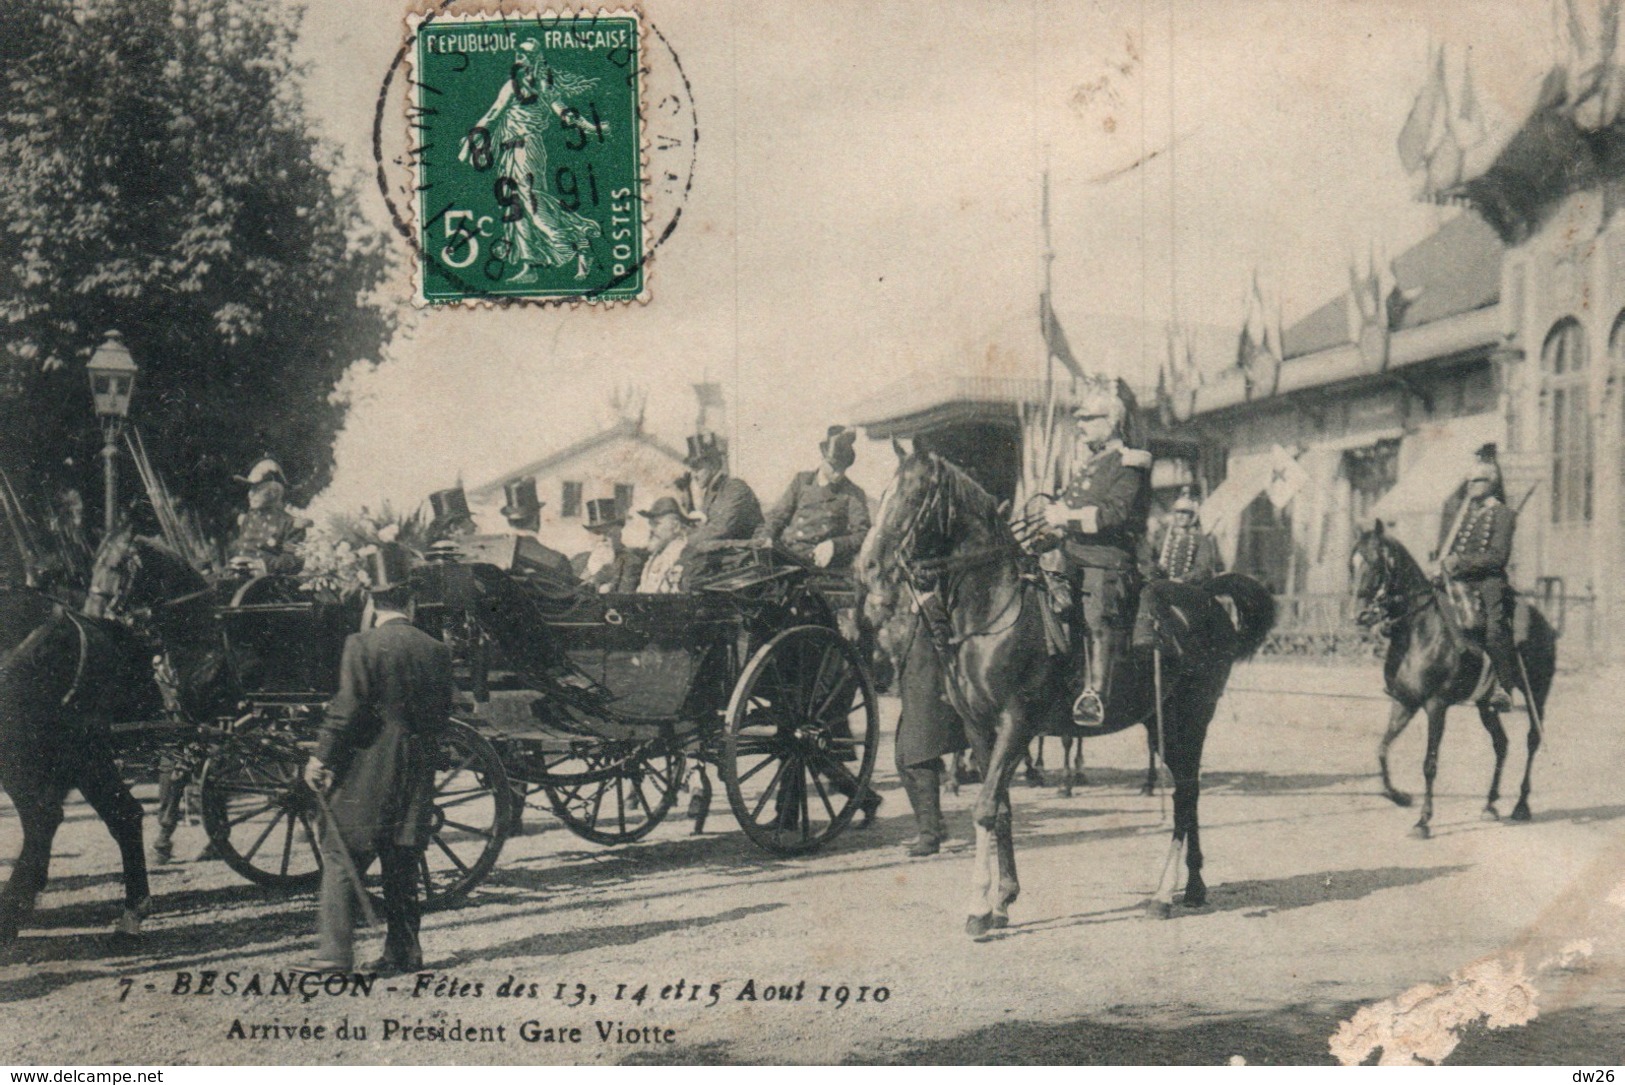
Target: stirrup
(1088, 709)
(1500, 700)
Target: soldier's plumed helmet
(389, 569)
(264, 470)
(706, 449)
(1101, 401)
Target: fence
(1322, 627)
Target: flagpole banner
(629, 495)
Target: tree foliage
(159, 175)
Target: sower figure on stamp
(1101, 515)
(376, 752)
(1474, 554)
(1182, 551)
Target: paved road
(1323, 911)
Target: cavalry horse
(64, 685)
(945, 533)
(1431, 665)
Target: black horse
(1431, 664)
(65, 684)
(944, 531)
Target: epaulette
(1137, 457)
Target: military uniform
(379, 736)
(731, 512)
(270, 535)
(1111, 495)
(1185, 554)
(1482, 546)
(811, 512)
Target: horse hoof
(1490, 814)
(1082, 780)
(1159, 909)
(1421, 832)
(978, 925)
(1065, 792)
(1194, 900)
(1000, 922)
(1521, 812)
(1398, 798)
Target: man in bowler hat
(823, 517)
(374, 762)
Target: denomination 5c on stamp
(529, 156)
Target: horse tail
(1254, 610)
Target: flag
(1287, 477)
(1055, 337)
(1178, 378)
(1416, 137)
(1258, 349)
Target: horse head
(1381, 572)
(134, 572)
(905, 528)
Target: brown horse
(63, 687)
(1432, 665)
(946, 534)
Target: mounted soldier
(1474, 554)
(268, 535)
(823, 516)
(1101, 516)
(1182, 551)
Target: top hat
(389, 568)
(603, 513)
(450, 504)
(838, 446)
(1186, 502)
(520, 495)
(705, 448)
(666, 506)
(264, 469)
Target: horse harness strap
(78, 624)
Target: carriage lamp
(112, 385)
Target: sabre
(346, 864)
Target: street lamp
(112, 385)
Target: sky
(866, 208)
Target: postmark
(528, 158)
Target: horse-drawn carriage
(600, 703)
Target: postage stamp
(529, 157)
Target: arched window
(1564, 359)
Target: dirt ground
(1328, 926)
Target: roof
(908, 407)
(1454, 270)
(626, 429)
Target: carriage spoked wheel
(803, 727)
(474, 807)
(613, 792)
(260, 817)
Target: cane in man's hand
(342, 853)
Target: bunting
(1258, 350)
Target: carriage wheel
(474, 806)
(613, 792)
(803, 727)
(260, 816)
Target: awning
(1434, 462)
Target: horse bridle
(1386, 606)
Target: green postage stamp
(529, 157)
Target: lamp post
(112, 384)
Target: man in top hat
(727, 506)
(611, 565)
(1475, 553)
(1182, 551)
(374, 762)
(668, 536)
(1101, 516)
(268, 535)
(823, 517)
(451, 516)
(521, 507)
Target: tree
(158, 175)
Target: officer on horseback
(1101, 516)
(1475, 555)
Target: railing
(1322, 627)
